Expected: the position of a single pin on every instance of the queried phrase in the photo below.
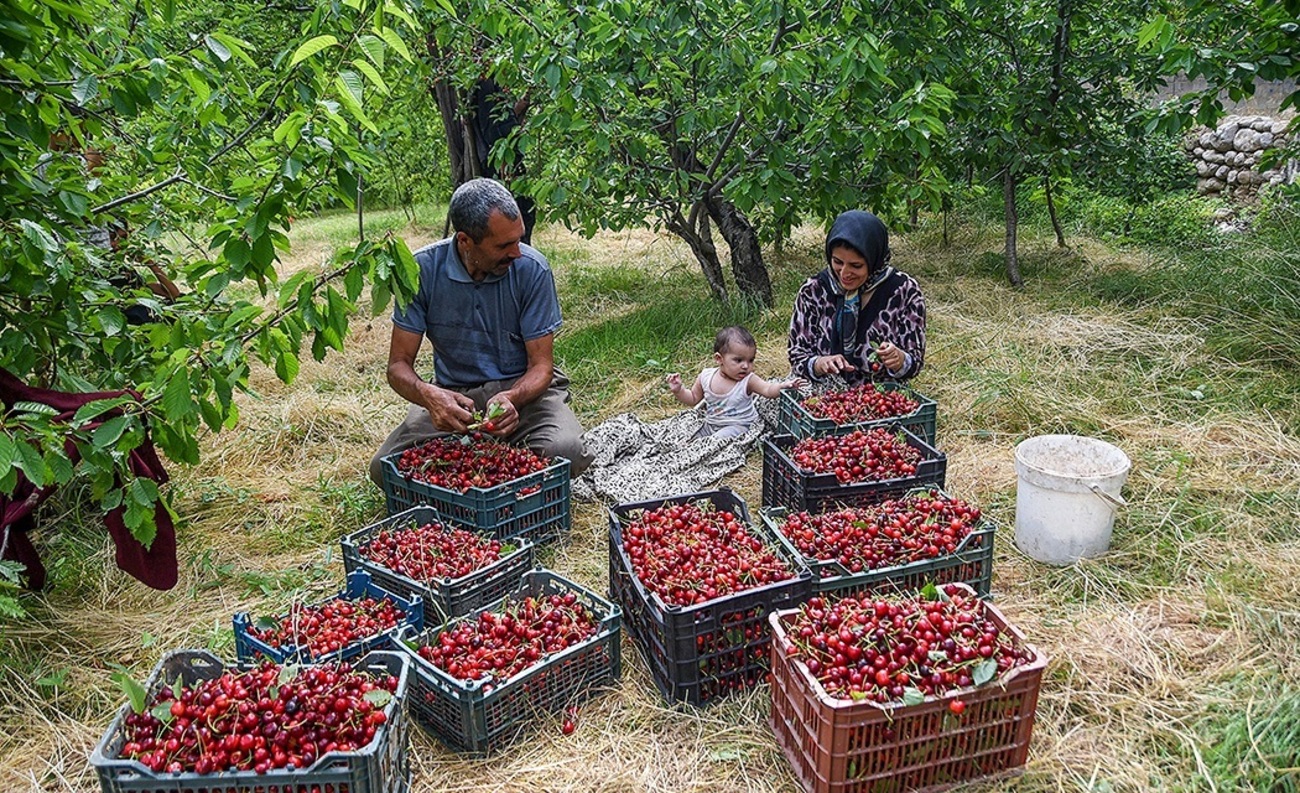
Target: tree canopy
(194, 145)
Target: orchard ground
(1173, 663)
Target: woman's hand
(831, 364)
(892, 357)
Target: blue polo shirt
(478, 328)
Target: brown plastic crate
(841, 746)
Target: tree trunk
(701, 244)
(1013, 221)
(746, 256)
(1051, 212)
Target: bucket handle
(1114, 502)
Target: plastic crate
(359, 584)
(970, 564)
(501, 510)
(700, 653)
(481, 716)
(382, 766)
(451, 597)
(794, 419)
(842, 746)
(785, 485)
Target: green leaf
(107, 433)
(395, 41)
(349, 85)
(286, 367)
(378, 696)
(373, 47)
(8, 452)
(369, 71)
(95, 409)
(38, 408)
(237, 46)
(287, 673)
(162, 711)
(913, 696)
(930, 591)
(218, 49)
(85, 89)
(176, 401)
(60, 466)
(112, 320)
(311, 47)
(32, 464)
(984, 671)
(135, 693)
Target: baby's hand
(793, 382)
(674, 381)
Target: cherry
(893, 654)
(433, 551)
(864, 402)
(462, 462)
(859, 456)
(330, 626)
(231, 723)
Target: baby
(728, 389)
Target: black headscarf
(864, 233)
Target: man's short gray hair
(473, 203)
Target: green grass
(1176, 352)
(631, 324)
(1253, 737)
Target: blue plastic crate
(382, 766)
(501, 510)
(450, 597)
(359, 585)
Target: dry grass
(1201, 588)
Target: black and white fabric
(637, 460)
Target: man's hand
(831, 364)
(504, 417)
(448, 410)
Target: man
(488, 305)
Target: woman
(857, 304)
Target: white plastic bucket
(1067, 493)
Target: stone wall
(1226, 158)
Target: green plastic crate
(794, 419)
(970, 564)
(382, 766)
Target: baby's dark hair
(734, 334)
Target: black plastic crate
(786, 485)
(794, 419)
(450, 597)
(700, 653)
(539, 515)
(359, 585)
(382, 766)
(482, 716)
(970, 564)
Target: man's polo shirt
(478, 328)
